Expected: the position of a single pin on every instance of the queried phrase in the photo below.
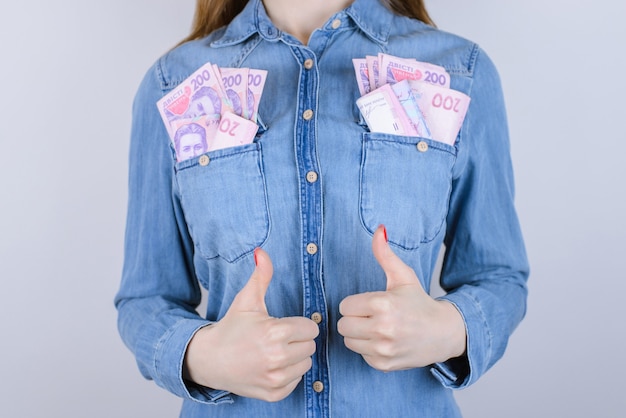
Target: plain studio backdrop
(69, 70)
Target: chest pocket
(223, 196)
(405, 185)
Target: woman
(314, 307)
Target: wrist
(456, 334)
(194, 361)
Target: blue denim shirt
(190, 225)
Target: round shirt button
(336, 23)
(311, 176)
(204, 160)
(308, 114)
(422, 146)
(316, 317)
(308, 64)
(311, 249)
(318, 386)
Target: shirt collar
(372, 17)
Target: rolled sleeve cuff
(168, 365)
(461, 372)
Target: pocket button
(422, 146)
(204, 160)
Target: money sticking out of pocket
(422, 103)
(212, 99)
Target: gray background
(68, 72)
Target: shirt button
(316, 317)
(336, 23)
(318, 386)
(422, 146)
(204, 160)
(308, 64)
(311, 249)
(308, 114)
(311, 176)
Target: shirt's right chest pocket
(223, 196)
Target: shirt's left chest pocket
(224, 200)
(405, 185)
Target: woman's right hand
(248, 352)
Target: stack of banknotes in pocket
(403, 96)
(214, 108)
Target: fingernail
(256, 260)
(385, 233)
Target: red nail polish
(256, 260)
(385, 233)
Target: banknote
(362, 76)
(233, 131)
(394, 69)
(410, 104)
(235, 84)
(212, 109)
(194, 137)
(256, 84)
(384, 113)
(373, 66)
(442, 109)
(200, 94)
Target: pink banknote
(442, 109)
(384, 113)
(235, 85)
(362, 75)
(373, 67)
(200, 94)
(407, 97)
(194, 137)
(393, 69)
(233, 131)
(410, 104)
(214, 108)
(256, 84)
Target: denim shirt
(311, 192)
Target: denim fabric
(191, 225)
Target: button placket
(311, 218)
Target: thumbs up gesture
(401, 327)
(248, 352)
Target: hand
(402, 327)
(248, 352)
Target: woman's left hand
(402, 327)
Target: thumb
(252, 297)
(397, 272)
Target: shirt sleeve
(485, 265)
(159, 291)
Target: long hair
(213, 14)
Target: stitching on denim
(246, 49)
